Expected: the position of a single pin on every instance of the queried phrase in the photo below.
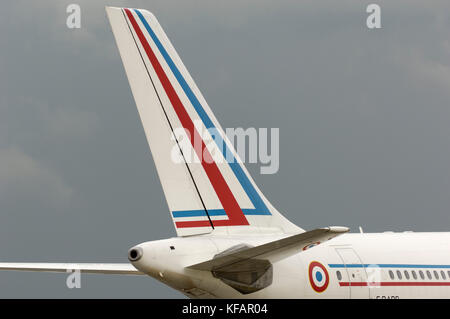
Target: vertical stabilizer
(206, 189)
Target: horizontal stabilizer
(272, 251)
(118, 269)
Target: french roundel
(318, 276)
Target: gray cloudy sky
(364, 118)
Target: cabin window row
(413, 274)
(427, 274)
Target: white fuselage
(372, 265)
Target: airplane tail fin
(207, 187)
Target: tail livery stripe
(211, 212)
(229, 203)
(260, 207)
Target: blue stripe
(386, 266)
(260, 207)
(197, 213)
(211, 212)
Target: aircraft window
(391, 274)
(436, 275)
(399, 274)
(406, 274)
(429, 275)
(414, 274)
(339, 275)
(421, 274)
(448, 273)
(443, 274)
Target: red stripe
(390, 284)
(229, 203)
(202, 223)
(194, 223)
